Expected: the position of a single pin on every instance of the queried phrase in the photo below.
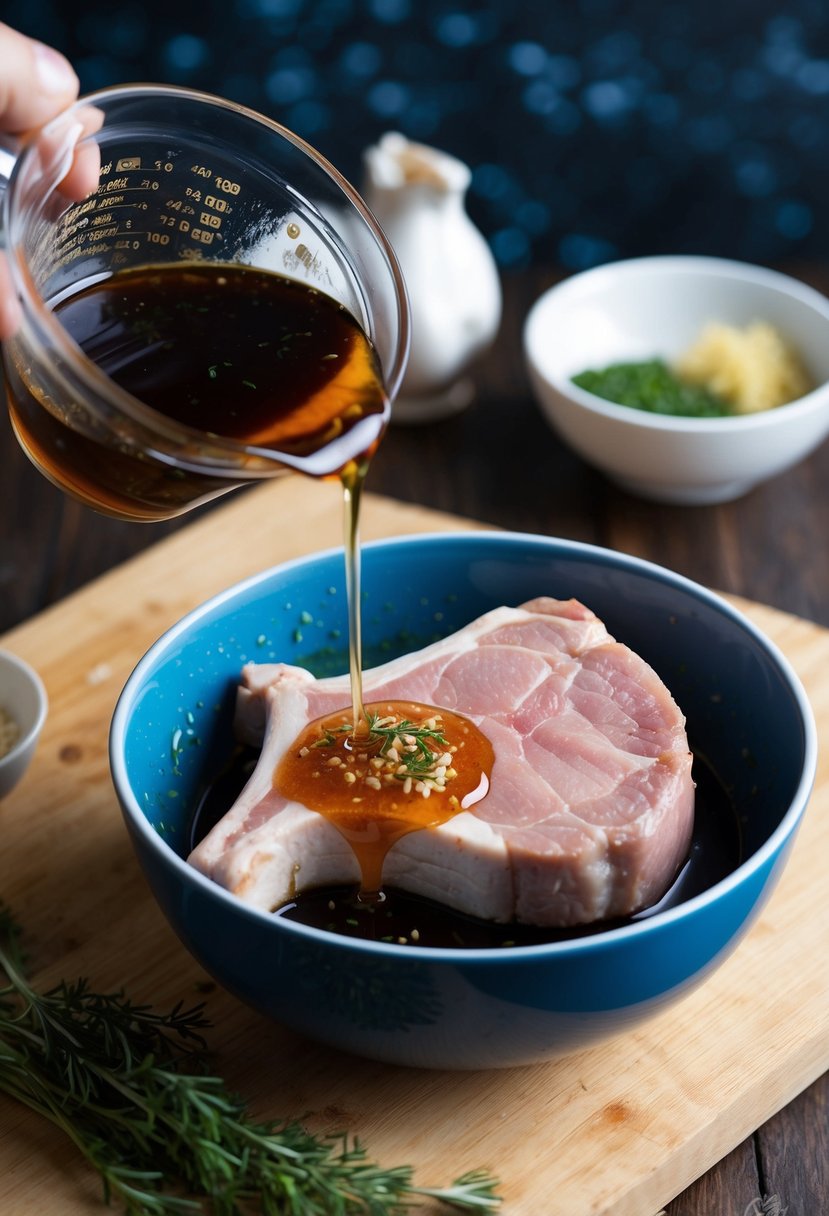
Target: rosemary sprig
(133, 1091)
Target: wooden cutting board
(615, 1131)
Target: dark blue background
(595, 129)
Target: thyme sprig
(133, 1091)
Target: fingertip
(10, 317)
(55, 74)
(10, 313)
(36, 82)
(82, 178)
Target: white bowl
(23, 696)
(649, 307)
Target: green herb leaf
(652, 386)
(384, 734)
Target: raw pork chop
(590, 808)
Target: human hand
(36, 83)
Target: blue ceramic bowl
(747, 714)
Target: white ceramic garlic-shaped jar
(418, 195)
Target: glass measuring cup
(149, 175)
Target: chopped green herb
(651, 386)
(420, 761)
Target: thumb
(36, 82)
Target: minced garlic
(9, 732)
(753, 369)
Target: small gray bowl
(23, 697)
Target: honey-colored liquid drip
(376, 791)
(339, 765)
(230, 352)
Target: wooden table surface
(498, 462)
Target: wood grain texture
(616, 1131)
(729, 1188)
(783, 1145)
